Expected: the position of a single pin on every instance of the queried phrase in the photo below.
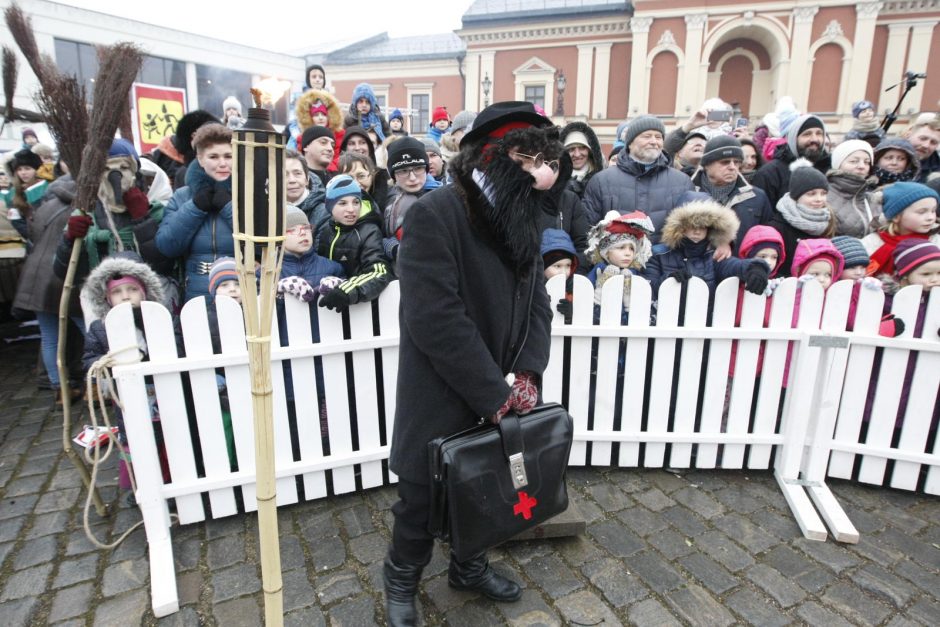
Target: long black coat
(462, 318)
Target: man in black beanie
(719, 176)
(317, 145)
(806, 138)
(473, 310)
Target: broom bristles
(21, 27)
(62, 103)
(10, 70)
(117, 70)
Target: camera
(719, 116)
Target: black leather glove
(336, 299)
(682, 276)
(756, 276)
(203, 199)
(565, 307)
(221, 197)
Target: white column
(639, 96)
(866, 16)
(601, 79)
(582, 103)
(192, 87)
(692, 76)
(894, 65)
(471, 68)
(802, 67)
(917, 57)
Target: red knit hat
(440, 113)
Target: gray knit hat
(431, 146)
(462, 120)
(641, 125)
(722, 147)
(853, 251)
(296, 217)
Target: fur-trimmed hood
(302, 109)
(95, 289)
(597, 155)
(722, 223)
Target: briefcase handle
(514, 448)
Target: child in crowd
(692, 232)
(855, 256)
(764, 242)
(559, 256)
(364, 111)
(804, 212)
(440, 123)
(619, 245)
(909, 212)
(819, 260)
(303, 269)
(353, 237)
(372, 180)
(121, 278)
(223, 281)
(865, 123)
(396, 122)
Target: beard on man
(473, 310)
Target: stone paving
(700, 548)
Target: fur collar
(95, 289)
(722, 223)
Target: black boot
(401, 586)
(476, 574)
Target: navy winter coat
(631, 187)
(697, 260)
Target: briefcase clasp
(517, 469)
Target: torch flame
(269, 91)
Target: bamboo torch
(258, 218)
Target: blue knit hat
(900, 196)
(852, 250)
(860, 106)
(396, 114)
(339, 187)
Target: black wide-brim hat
(500, 113)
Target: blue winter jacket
(311, 267)
(696, 258)
(198, 236)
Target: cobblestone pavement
(704, 548)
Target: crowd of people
(711, 199)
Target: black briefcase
(490, 483)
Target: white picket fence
(817, 431)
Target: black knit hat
(406, 152)
(187, 126)
(313, 133)
(640, 125)
(805, 178)
(722, 147)
(26, 157)
(499, 114)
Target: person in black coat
(563, 210)
(805, 138)
(473, 310)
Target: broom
(118, 67)
(62, 101)
(10, 70)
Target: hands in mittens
(327, 283)
(221, 197)
(564, 307)
(137, 203)
(682, 276)
(78, 227)
(756, 277)
(203, 199)
(336, 299)
(296, 286)
(891, 326)
(871, 283)
(523, 396)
